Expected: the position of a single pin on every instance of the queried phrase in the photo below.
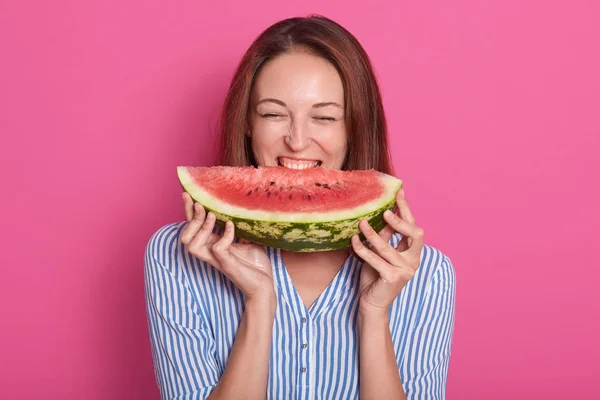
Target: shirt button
(303, 320)
(303, 370)
(304, 345)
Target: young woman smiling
(230, 319)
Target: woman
(230, 319)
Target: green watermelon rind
(301, 237)
(300, 232)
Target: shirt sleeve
(431, 339)
(183, 350)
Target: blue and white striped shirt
(194, 312)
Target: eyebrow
(316, 105)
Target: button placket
(304, 354)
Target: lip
(294, 159)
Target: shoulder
(164, 243)
(165, 252)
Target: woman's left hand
(386, 270)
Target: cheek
(264, 145)
(268, 129)
(335, 139)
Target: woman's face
(297, 113)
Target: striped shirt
(194, 312)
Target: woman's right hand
(246, 264)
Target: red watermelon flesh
(281, 189)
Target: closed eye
(326, 118)
(270, 115)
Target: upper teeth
(299, 164)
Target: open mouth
(297, 164)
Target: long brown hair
(365, 120)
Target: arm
(432, 338)
(184, 351)
(247, 370)
(379, 377)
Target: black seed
(309, 197)
(272, 183)
(326, 186)
(249, 193)
(256, 189)
(317, 184)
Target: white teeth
(298, 165)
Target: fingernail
(388, 214)
(401, 191)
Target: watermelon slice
(313, 209)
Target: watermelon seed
(268, 194)
(317, 184)
(309, 197)
(326, 186)
(272, 183)
(249, 193)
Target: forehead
(299, 76)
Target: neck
(315, 259)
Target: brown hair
(365, 119)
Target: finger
(415, 248)
(201, 245)
(385, 270)
(193, 226)
(202, 236)
(413, 234)
(205, 254)
(403, 208)
(188, 205)
(382, 247)
(221, 248)
(386, 233)
(403, 245)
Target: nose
(298, 137)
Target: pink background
(494, 112)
